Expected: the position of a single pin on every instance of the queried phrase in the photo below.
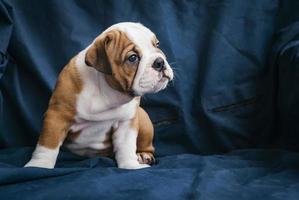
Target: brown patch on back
(109, 55)
(62, 107)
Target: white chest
(94, 131)
(99, 108)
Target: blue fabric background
(235, 93)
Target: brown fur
(120, 77)
(120, 73)
(109, 55)
(72, 136)
(145, 148)
(107, 142)
(62, 107)
(142, 123)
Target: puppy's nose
(159, 64)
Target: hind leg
(145, 149)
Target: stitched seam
(164, 122)
(242, 103)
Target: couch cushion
(246, 174)
(286, 63)
(222, 94)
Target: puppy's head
(129, 56)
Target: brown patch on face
(109, 54)
(62, 107)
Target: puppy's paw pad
(146, 158)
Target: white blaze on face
(147, 79)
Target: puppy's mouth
(164, 79)
(165, 76)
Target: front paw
(41, 163)
(146, 158)
(132, 165)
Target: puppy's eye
(133, 58)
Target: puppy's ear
(96, 55)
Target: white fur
(43, 157)
(124, 146)
(142, 37)
(99, 107)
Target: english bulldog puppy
(94, 109)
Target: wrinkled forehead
(137, 33)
